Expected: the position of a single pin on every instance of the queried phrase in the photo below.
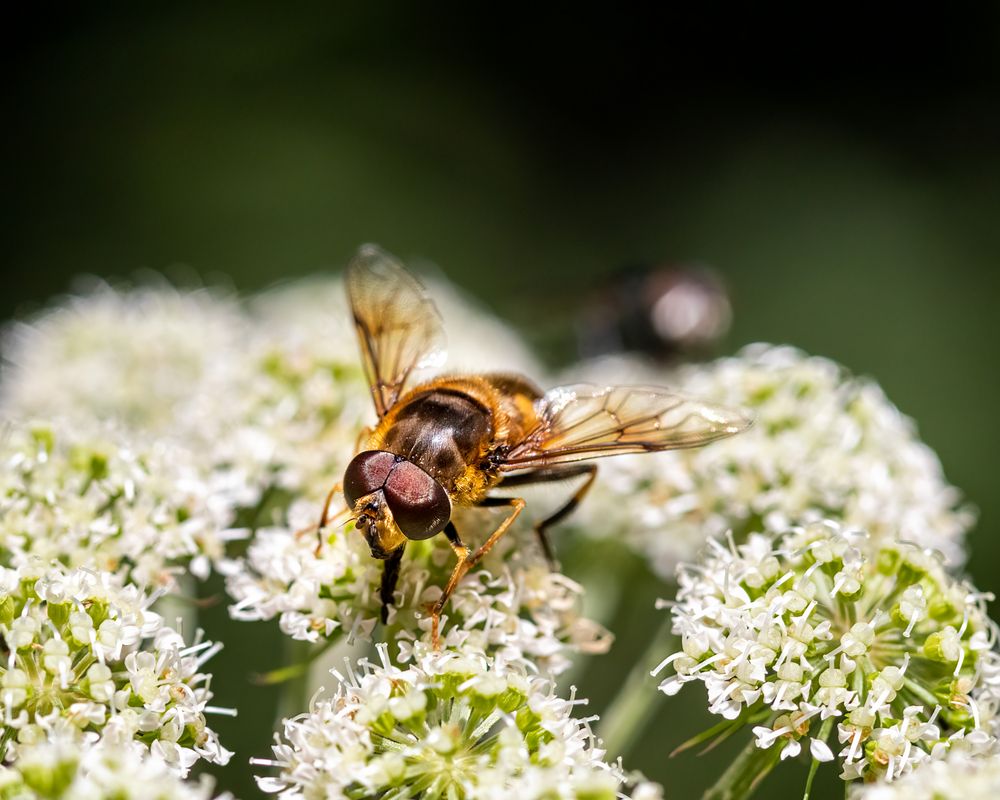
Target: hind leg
(551, 475)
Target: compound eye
(419, 504)
(366, 474)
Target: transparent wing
(579, 422)
(399, 328)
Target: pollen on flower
(820, 631)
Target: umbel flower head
(824, 445)
(71, 770)
(958, 776)
(864, 651)
(87, 660)
(456, 725)
(91, 497)
(511, 604)
(161, 366)
(155, 359)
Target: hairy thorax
(450, 427)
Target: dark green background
(842, 172)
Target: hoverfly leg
(451, 533)
(390, 577)
(462, 552)
(324, 518)
(590, 470)
(468, 559)
(518, 505)
(550, 475)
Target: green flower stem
(8, 734)
(637, 701)
(744, 775)
(824, 734)
(294, 678)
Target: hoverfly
(450, 441)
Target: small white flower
(824, 444)
(451, 724)
(136, 681)
(899, 661)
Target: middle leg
(468, 558)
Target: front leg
(462, 552)
(468, 559)
(324, 517)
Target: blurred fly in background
(669, 312)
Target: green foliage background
(845, 179)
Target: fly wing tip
(731, 421)
(370, 256)
(740, 421)
(369, 250)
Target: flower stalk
(635, 706)
(745, 774)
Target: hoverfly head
(394, 500)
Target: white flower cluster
(92, 498)
(88, 660)
(818, 628)
(825, 445)
(69, 770)
(448, 725)
(511, 604)
(148, 379)
(958, 776)
(192, 371)
(156, 359)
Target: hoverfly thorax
(394, 500)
